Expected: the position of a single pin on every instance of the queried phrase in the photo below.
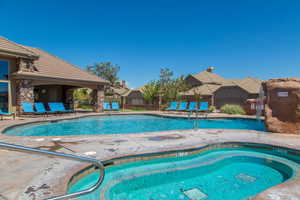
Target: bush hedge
(233, 109)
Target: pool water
(220, 174)
(128, 124)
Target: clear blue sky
(259, 38)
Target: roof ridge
(19, 45)
(72, 65)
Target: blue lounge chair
(192, 107)
(203, 106)
(182, 106)
(63, 108)
(40, 108)
(2, 113)
(173, 106)
(58, 107)
(106, 106)
(115, 106)
(27, 107)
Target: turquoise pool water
(128, 124)
(220, 174)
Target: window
(4, 96)
(4, 70)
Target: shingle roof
(209, 77)
(120, 91)
(51, 66)
(206, 89)
(15, 49)
(212, 82)
(251, 85)
(132, 90)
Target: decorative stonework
(98, 98)
(70, 98)
(26, 65)
(282, 110)
(24, 92)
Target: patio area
(36, 176)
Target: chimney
(210, 69)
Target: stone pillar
(282, 109)
(69, 98)
(26, 65)
(24, 93)
(98, 98)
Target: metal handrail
(95, 162)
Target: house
(134, 99)
(29, 74)
(219, 91)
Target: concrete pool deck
(33, 176)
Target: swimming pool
(116, 124)
(217, 174)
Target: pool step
(195, 194)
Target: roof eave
(41, 77)
(17, 54)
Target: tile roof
(48, 65)
(10, 47)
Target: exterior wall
(230, 95)
(192, 82)
(135, 98)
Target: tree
(165, 76)
(82, 96)
(150, 91)
(105, 70)
(169, 87)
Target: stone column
(69, 98)
(24, 93)
(98, 98)
(26, 65)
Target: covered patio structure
(37, 76)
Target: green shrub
(138, 109)
(233, 109)
(212, 109)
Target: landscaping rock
(282, 110)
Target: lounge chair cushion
(115, 106)
(27, 107)
(106, 106)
